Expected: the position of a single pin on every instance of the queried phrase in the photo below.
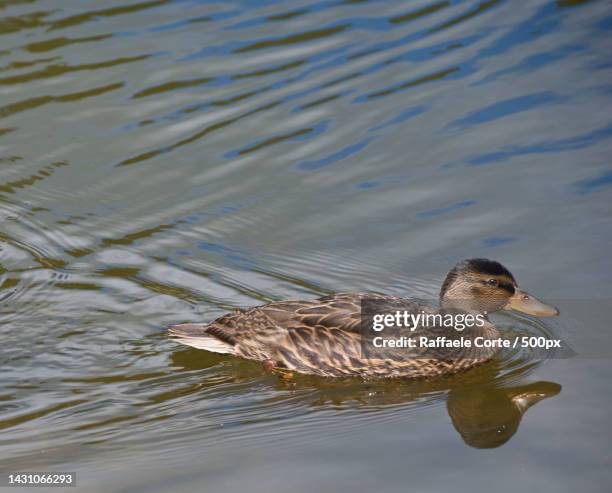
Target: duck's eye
(492, 282)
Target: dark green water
(168, 161)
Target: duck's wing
(321, 336)
(262, 331)
(272, 321)
(324, 336)
(340, 311)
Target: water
(168, 161)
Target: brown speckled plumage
(323, 337)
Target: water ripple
(168, 161)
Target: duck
(326, 336)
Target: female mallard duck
(323, 336)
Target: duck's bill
(526, 303)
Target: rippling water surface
(167, 161)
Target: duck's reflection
(485, 411)
(487, 417)
(485, 404)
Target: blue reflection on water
(334, 157)
(444, 210)
(592, 184)
(508, 107)
(570, 143)
(494, 241)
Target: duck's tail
(198, 336)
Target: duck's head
(482, 285)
